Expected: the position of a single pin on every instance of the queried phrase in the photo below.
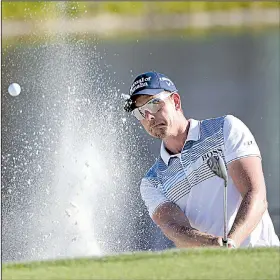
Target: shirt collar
(193, 134)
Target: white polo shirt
(186, 180)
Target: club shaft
(225, 213)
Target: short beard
(160, 133)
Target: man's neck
(175, 144)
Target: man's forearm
(248, 216)
(183, 236)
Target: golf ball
(14, 89)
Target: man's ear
(177, 101)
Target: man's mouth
(157, 125)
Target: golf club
(217, 165)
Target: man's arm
(248, 177)
(176, 226)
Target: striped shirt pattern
(174, 180)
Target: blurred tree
(28, 10)
(46, 10)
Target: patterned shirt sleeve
(152, 195)
(239, 141)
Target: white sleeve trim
(251, 155)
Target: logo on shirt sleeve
(248, 143)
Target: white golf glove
(230, 243)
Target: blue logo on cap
(151, 83)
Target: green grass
(170, 264)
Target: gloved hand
(228, 244)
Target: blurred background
(72, 159)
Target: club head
(217, 165)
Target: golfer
(183, 196)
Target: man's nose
(149, 116)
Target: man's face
(158, 124)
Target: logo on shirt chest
(209, 154)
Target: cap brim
(148, 91)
